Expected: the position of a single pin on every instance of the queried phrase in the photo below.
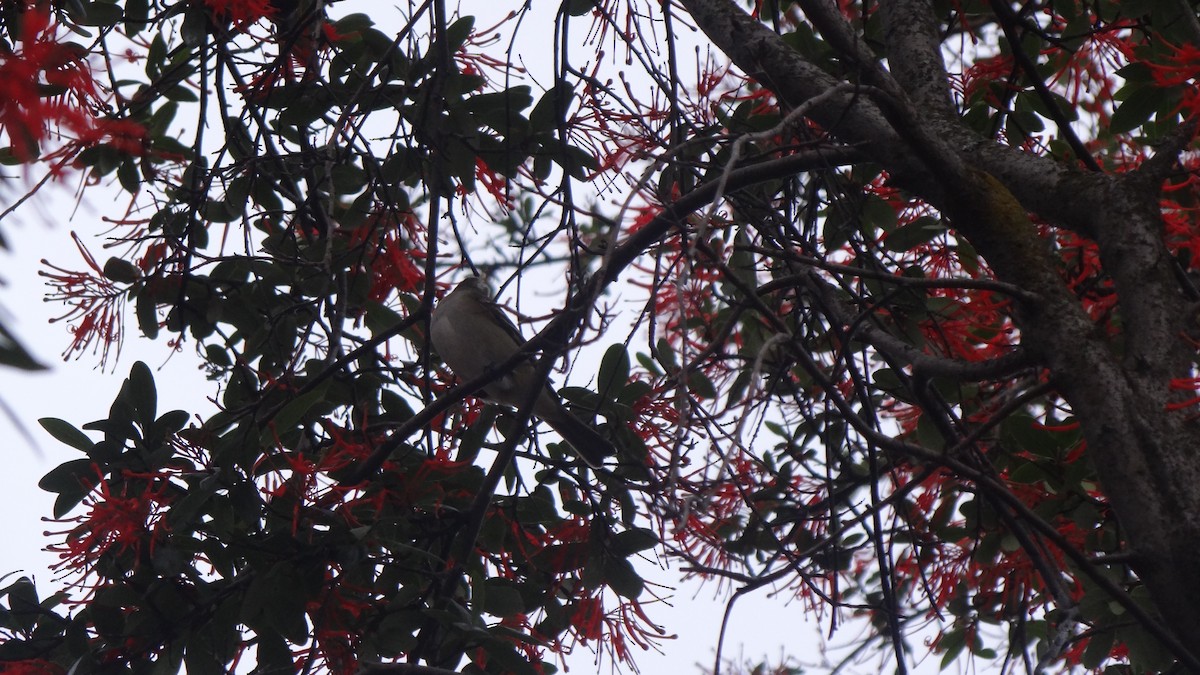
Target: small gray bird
(473, 335)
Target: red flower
(1182, 69)
(28, 115)
(588, 618)
(25, 115)
(95, 305)
(123, 519)
(30, 667)
(239, 13)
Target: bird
(473, 335)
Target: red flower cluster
(46, 87)
(120, 519)
(96, 305)
(239, 13)
(1182, 70)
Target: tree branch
(915, 57)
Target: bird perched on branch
(473, 336)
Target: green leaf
(1098, 649)
(634, 541)
(952, 644)
(1022, 432)
(1021, 124)
(156, 56)
(910, 235)
(700, 385)
(580, 7)
(171, 422)
(348, 179)
(647, 361)
(292, 413)
(102, 14)
(183, 512)
(147, 315)
(195, 26)
(71, 481)
(1057, 103)
(137, 15)
(471, 440)
(23, 603)
(169, 146)
(128, 176)
(1028, 473)
(64, 432)
(507, 659)
(545, 115)
(1141, 102)
(501, 110)
(577, 162)
(502, 599)
(120, 270)
(401, 166)
(140, 392)
(458, 32)
(180, 92)
(396, 634)
(353, 23)
(199, 659)
(274, 655)
(1146, 653)
(614, 370)
(620, 576)
(838, 228)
